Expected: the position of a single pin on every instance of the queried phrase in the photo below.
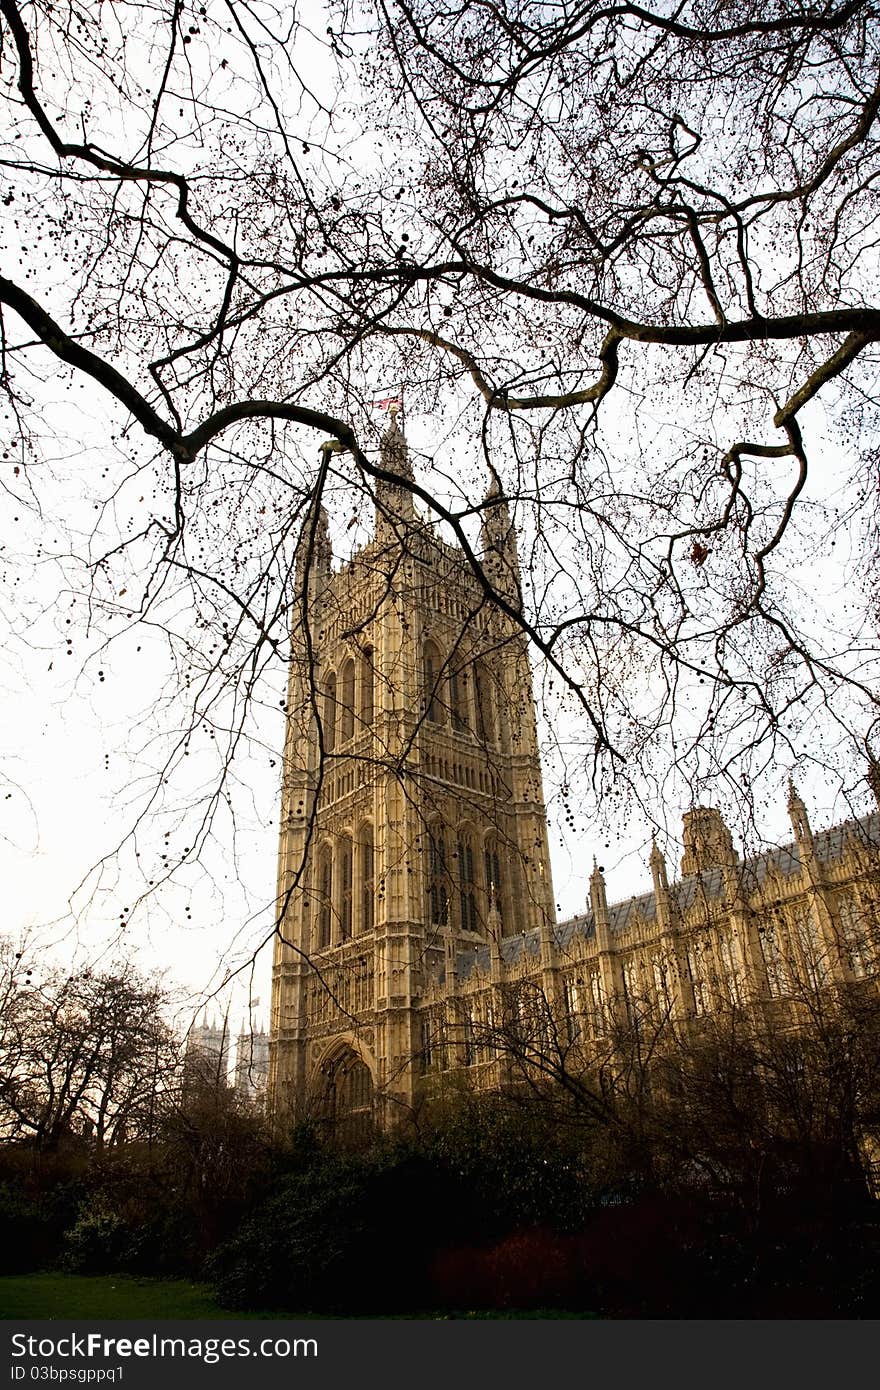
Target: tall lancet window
(367, 880)
(345, 885)
(325, 896)
(492, 867)
(469, 919)
(438, 877)
(431, 674)
(483, 704)
(329, 714)
(458, 700)
(346, 717)
(368, 677)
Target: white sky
(74, 748)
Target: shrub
(341, 1235)
(26, 1232)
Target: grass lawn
(123, 1296)
(108, 1296)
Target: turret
(707, 841)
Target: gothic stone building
(414, 874)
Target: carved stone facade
(412, 821)
(778, 927)
(414, 872)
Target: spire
(797, 811)
(658, 869)
(599, 904)
(394, 448)
(393, 501)
(598, 900)
(313, 551)
(499, 539)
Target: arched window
(502, 717)
(325, 897)
(345, 871)
(458, 700)
(346, 717)
(431, 672)
(349, 1096)
(438, 878)
(469, 921)
(483, 704)
(367, 880)
(368, 676)
(329, 715)
(492, 868)
(355, 1089)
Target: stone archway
(348, 1096)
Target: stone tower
(413, 826)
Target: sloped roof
(829, 846)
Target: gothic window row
(348, 705)
(345, 888)
(456, 873)
(461, 696)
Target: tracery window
(663, 992)
(368, 680)
(483, 704)
(492, 866)
(571, 990)
(345, 885)
(469, 918)
(458, 701)
(699, 971)
(630, 981)
(772, 934)
(346, 717)
(325, 897)
(854, 933)
(367, 880)
(431, 665)
(438, 877)
(731, 967)
(329, 714)
(812, 948)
